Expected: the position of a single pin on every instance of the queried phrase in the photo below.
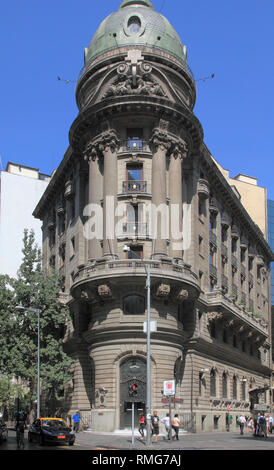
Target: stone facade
(210, 298)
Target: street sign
(169, 387)
(153, 326)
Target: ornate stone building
(137, 141)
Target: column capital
(179, 149)
(160, 140)
(90, 152)
(107, 140)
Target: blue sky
(233, 39)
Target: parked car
(3, 431)
(51, 430)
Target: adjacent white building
(21, 187)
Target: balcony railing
(224, 250)
(224, 281)
(134, 186)
(234, 262)
(213, 271)
(132, 145)
(213, 238)
(213, 206)
(134, 229)
(234, 290)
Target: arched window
(213, 383)
(134, 305)
(224, 385)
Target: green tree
(7, 325)
(38, 289)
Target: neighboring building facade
(21, 187)
(136, 141)
(270, 218)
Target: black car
(3, 431)
(51, 430)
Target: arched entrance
(132, 370)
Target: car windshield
(53, 424)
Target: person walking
(242, 422)
(166, 421)
(176, 423)
(262, 425)
(142, 425)
(155, 421)
(76, 421)
(270, 424)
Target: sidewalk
(187, 441)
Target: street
(115, 441)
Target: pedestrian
(142, 425)
(250, 425)
(262, 425)
(176, 423)
(270, 424)
(76, 420)
(242, 422)
(155, 421)
(166, 421)
(256, 425)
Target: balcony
(203, 188)
(224, 282)
(250, 280)
(132, 145)
(234, 290)
(134, 230)
(69, 189)
(234, 262)
(224, 251)
(213, 239)
(235, 231)
(134, 186)
(243, 272)
(225, 221)
(213, 206)
(213, 271)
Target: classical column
(160, 226)
(95, 193)
(178, 152)
(108, 146)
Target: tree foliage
(35, 288)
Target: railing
(213, 271)
(213, 238)
(234, 290)
(224, 250)
(104, 265)
(132, 145)
(234, 261)
(135, 229)
(134, 186)
(224, 281)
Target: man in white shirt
(242, 422)
(166, 421)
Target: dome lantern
(144, 3)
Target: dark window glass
(134, 305)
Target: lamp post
(21, 308)
(148, 394)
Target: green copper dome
(136, 23)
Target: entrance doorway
(132, 369)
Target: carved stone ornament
(104, 291)
(182, 295)
(134, 80)
(179, 150)
(213, 316)
(163, 290)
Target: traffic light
(133, 389)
